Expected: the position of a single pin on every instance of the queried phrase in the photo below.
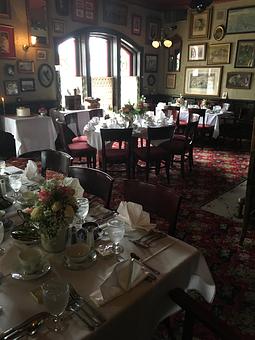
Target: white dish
(21, 275)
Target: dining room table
(31, 133)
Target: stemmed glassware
(116, 231)
(55, 299)
(83, 209)
(15, 183)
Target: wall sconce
(32, 43)
(164, 40)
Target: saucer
(21, 275)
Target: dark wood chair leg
(182, 165)
(94, 159)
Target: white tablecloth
(31, 133)
(135, 314)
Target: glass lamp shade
(167, 43)
(155, 43)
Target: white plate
(21, 275)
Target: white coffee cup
(30, 259)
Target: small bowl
(25, 236)
(77, 252)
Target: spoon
(136, 257)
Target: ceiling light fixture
(164, 40)
(200, 5)
(32, 43)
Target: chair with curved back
(111, 155)
(72, 118)
(156, 199)
(153, 154)
(94, 181)
(7, 145)
(203, 129)
(78, 149)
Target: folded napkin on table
(125, 276)
(134, 216)
(31, 172)
(74, 183)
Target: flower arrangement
(129, 110)
(54, 208)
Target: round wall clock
(219, 32)
(45, 75)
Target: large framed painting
(115, 13)
(202, 81)
(37, 15)
(84, 11)
(241, 20)
(218, 54)
(7, 46)
(151, 63)
(5, 11)
(153, 26)
(245, 53)
(200, 23)
(238, 80)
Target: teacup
(30, 259)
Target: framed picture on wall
(218, 54)
(27, 85)
(200, 24)
(238, 80)
(196, 52)
(58, 26)
(202, 81)
(25, 66)
(62, 7)
(136, 24)
(11, 87)
(115, 13)
(5, 11)
(41, 54)
(241, 20)
(153, 26)
(7, 47)
(170, 81)
(151, 63)
(84, 11)
(245, 53)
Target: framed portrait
(153, 26)
(151, 63)
(218, 54)
(7, 46)
(202, 81)
(62, 7)
(9, 70)
(5, 11)
(136, 25)
(25, 66)
(58, 26)
(200, 24)
(115, 13)
(27, 85)
(37, 15)
(41, 54)
(245, 53)
(241, 20)
(84, 11)
(238, 80)
(196, 52)
(170, 81)
(11, 87)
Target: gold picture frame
(200, 24)
(218, 54)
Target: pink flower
(44, 195)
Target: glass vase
(54, 244)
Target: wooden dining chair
(110, 154)
(203, 129)
(78, 150)
(72, 118)
(94, 182)
(153, 155)
(95, 113)
(7, 145)
(156, 199)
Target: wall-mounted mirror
(174, 56)
(37, 15)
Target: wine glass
(15, 183)
(83, 209)
(55, 298)
(116, 231)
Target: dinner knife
(136, 257)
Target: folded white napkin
(31, 172)
(134, 216)
(74, 183)
(125, 276)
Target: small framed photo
(9, 70)
(245, 53)
(196, 52)
(25, 66)
(218, 54)
(11, 87)
(238, 80)
(5, 11)
(170, 81)
(136, 24)
(7, 46)
(84, 11)
(41, 55)
(200, 24)
(224, 95)
(58, 26)
(27, 85)
(151, 63)
(152, 29)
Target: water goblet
(116, 231)
(83, 209)
(15, 183)
(55, 298)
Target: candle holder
(3, 103)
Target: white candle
(3, 105)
